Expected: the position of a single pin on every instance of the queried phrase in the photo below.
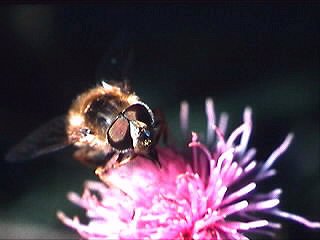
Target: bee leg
(123, 158)
(161, 127)
(153, 156)
(164, 132)
(112, 161)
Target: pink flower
(212, 194)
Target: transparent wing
(48, 138)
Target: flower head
(212, 194)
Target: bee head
(132, 129)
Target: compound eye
(119, 134)
(140, 113)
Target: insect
(103, 122)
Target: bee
(108, 124)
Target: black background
(265, 56)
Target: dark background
(265, 56)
